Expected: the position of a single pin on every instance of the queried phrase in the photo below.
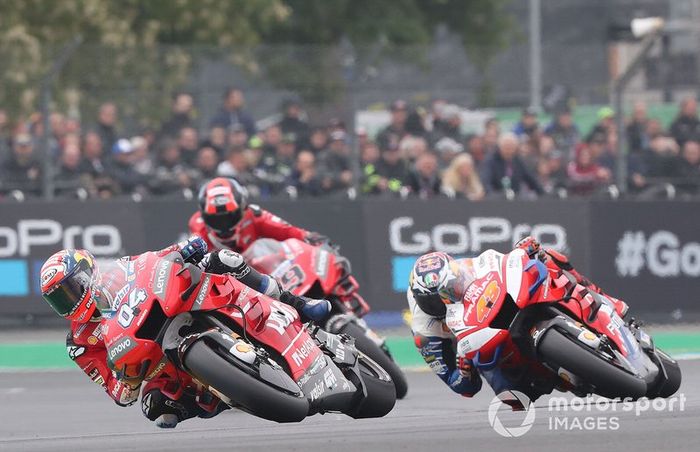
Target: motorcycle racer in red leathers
(437, 279)
(226, 220)
(76, 289)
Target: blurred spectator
(57, 122)
(141, 158)
(182, 116)
(121, 169)
(637, 137)
(437, 119)
(369, 154)
(412, 147)
(188, 142)
(490, 139)
(4, 135)
(605, 124)
(96, 167)
(424, 180)
(235, 165)
(452, 125)
(475, 148)
(21, 170)
(551, 172)
(689, 170)
(336, 164)
(70, 181)
(293, 122)
(361, 136)
(504, 170)
(304, 180)
(206, 165)
(392, 134)
(216, 140)
(686, 126)
(318, 140)
(662, 159)
(107, 124)
(564, 132)
(170, 176)
(232, 112)
(586, 176)
(237, 137)
(276, 168)
(388, 175)
(528, 125)
(654, 129)
(414, 124)
(462, 180)
(447, 148)
(272, 138)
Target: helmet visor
(223, 224)
(66, 296)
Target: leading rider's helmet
(222, 202)
(68, 284)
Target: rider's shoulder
(256, 210)
(196, 219)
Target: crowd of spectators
(422, 152)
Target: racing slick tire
(244, 390)
(668, 386)
(608, 380)
(381, 394)
(375, 353)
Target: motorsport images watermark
(571, 413)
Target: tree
(142, 43)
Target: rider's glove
(310, 309)
(532, 248)
(466, 368)
(193, 250)
(123, 394)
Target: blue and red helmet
(431, 273)
(68, 284)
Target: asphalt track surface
(57, 411)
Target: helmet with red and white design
(222, 202)
(68, 284)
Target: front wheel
(376, 354)
(670, 380)
(559, 351)
(381, 394)
(243, 389)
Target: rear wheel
(381, 394)
(559, 351)
(244, 390)
(376, 354)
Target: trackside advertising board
(645, 252)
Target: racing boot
(310, 309)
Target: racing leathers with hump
(74, 287)
(437, 280)
(226, 220)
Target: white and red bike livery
(538, 324)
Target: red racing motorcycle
(543, 329)
(321, 272)
(251, 351)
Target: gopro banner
(397, 233)
(647, 253)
